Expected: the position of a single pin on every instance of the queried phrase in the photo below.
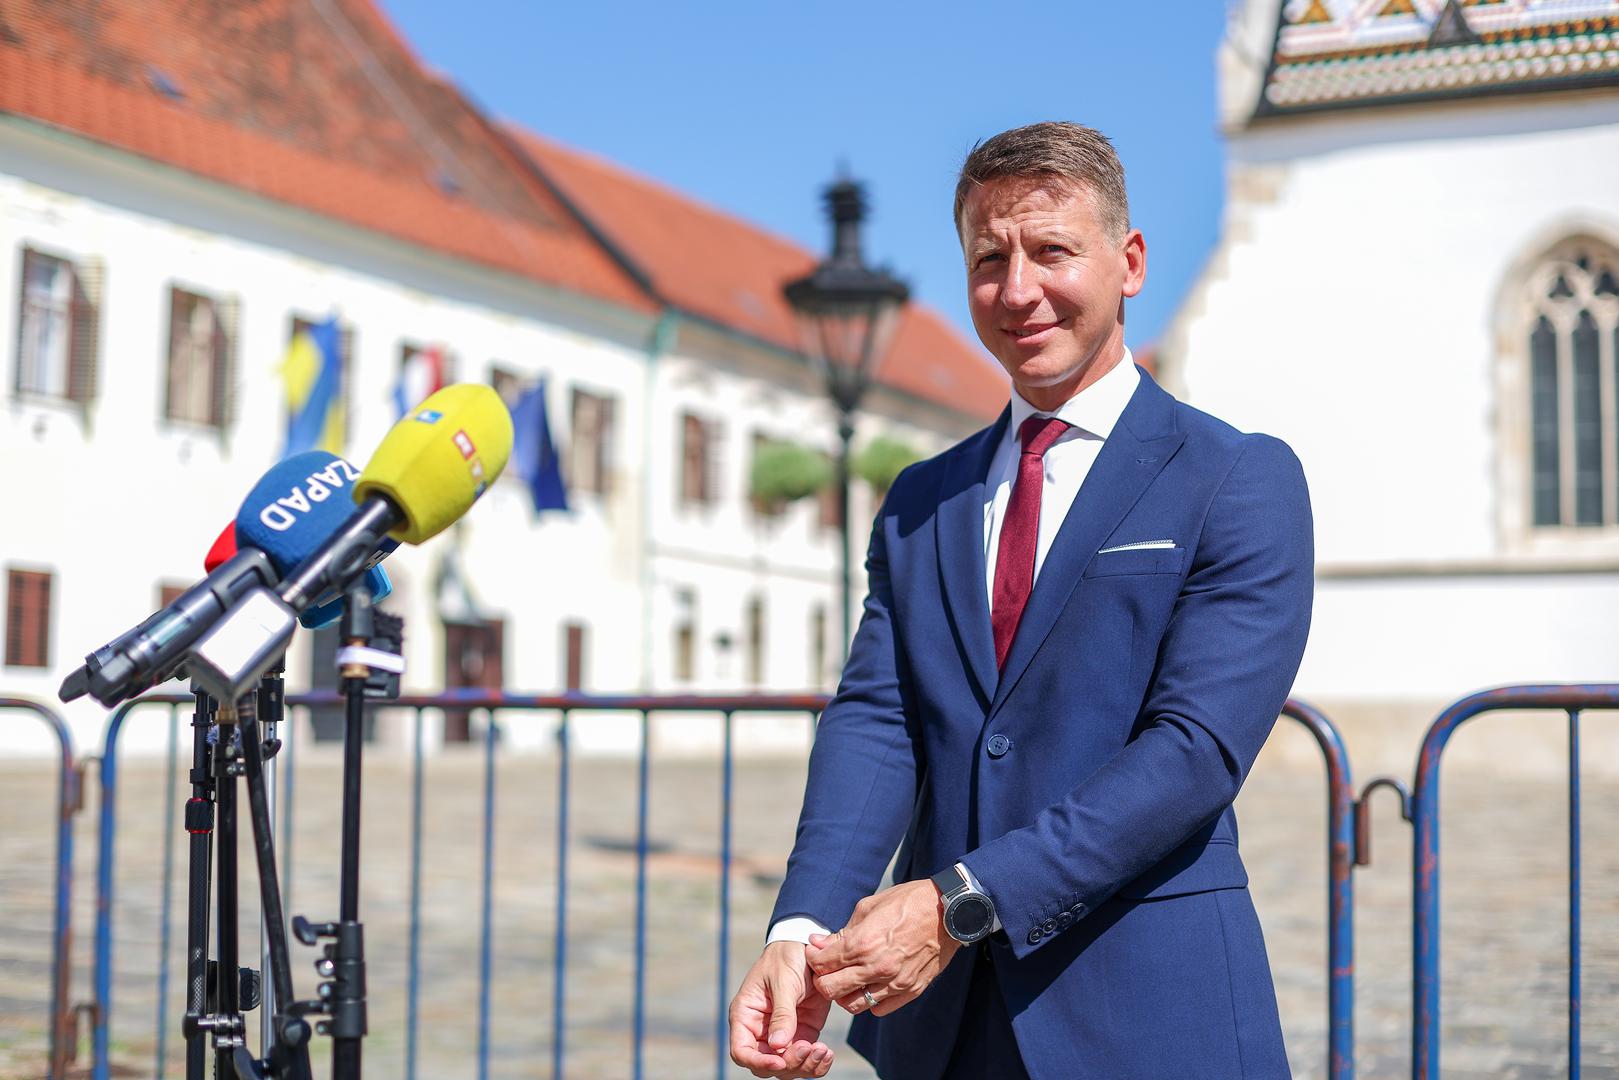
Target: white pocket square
(1139, 545)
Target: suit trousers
(986, 1048)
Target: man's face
(1046, 284)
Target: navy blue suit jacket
(1088, 785)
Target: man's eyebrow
(1059, 235)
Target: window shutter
(28, 259)
(14, 618)
(227, 315)
(83, 337)
(574, 657)
(605, 436)
(173, 390)
(756, 641)
(581, 424)
(692, 459)
(713, 446)
(28, 612)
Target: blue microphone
(295, 508)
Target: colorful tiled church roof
(1345, 53)
(736, 281)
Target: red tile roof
(737, 275)
(313, 103)
(321, 105)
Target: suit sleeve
(1226, 664)
(863, 769)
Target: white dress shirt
(1090, 414)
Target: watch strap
(950, 881)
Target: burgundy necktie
(1020, 532)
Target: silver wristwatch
(969, 915)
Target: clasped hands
(893, 946)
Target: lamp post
(847, 312)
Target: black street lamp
(847, 312)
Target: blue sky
(750, 106)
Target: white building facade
(1416, 288)
(149, 312)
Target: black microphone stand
(199, 826)
(232, 990)
(227, 988)
(369, 665)
(272, 707)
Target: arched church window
(1573, 337)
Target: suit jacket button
(1035, 936)
(1065, 920)
(998, 745)
(1078, 909)
(1049, 926)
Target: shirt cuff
(972, 879)
(795, 928)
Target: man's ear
(1135, 263)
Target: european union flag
(534, 455)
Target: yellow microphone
(435, 462)
(429, 470)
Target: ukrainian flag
(313, 377)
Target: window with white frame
(201, 369)
(590, 443)
(1573, 383)
(685, 635)
(700, 442)
(57, 319)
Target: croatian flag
(419, 376)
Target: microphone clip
(373, 644)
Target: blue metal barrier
(1340, 859)
(564, 705)
(1570, 699)
(1340, 889)
(68, 802)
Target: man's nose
(1022, 286)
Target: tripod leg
(272, 697)
(290, 1052)
(199, 825)
(227, 984)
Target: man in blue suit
(1082, 624)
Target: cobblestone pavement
(1505, 914)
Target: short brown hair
(1054, 148)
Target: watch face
(970, 918)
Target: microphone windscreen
(224, 547)
(377, 583)
(435, 462)
(296, 506)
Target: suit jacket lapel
(1135, 453)
(959, 527)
